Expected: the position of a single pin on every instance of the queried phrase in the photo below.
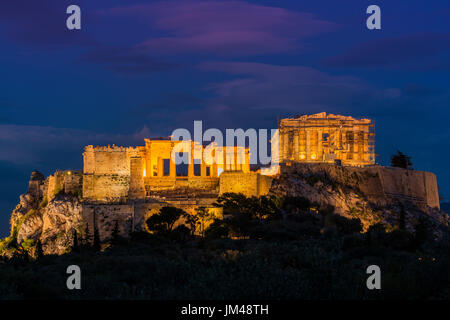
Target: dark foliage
(163, 222)
(400, 160)
(303, 255)
(97, 244)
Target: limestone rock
(358, 193)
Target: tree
(115, 235)
(255, 207)
(218, 229)
(400, 160)
(39, 253)
(203, 215)
(97, 244)
(164, 221)
(192, 220)
(75, 245)
(181, 233)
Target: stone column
(308, 144)
(214, 164)
(296, 151)
(319, 145)
(148, 160)
(284, 146)
(173, 169)
(191, 161)
(246, 164)
(203, 168)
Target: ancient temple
(113, 172)
(328, 138)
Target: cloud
(289, 89)
(127, 60)
(22, 144)
(41, 23)
(406, 50)
(254, 94)
(224, 27)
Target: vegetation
(401, 161)
(263, 248)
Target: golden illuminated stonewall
(327, 138)
(112, 172)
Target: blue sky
(143, 68)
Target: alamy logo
(374, 20)
(73, 22)
(374, 281)
(236, 144)
(74, 280)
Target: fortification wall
(136, 188)
(168, 183)
(416, 186)
(239, 182)
(55, 184)
(380, 184)
(249, 184)
(108, 160)
(105, 187)
(432, 190)
(73, 182)
(264, 184)
(104, 217)
(107, 173)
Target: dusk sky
(144, 68)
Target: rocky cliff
(46, 213)
(52, 211)
(373, 194)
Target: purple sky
(143, 68)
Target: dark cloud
(224, 27)
(41, 23)
(289, 89)
(61, 147)
(394, 51)
(127, 60)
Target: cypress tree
(96, 245)
(75, 245)
(115, 233)
(39, 253)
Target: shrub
(164, 221)
(217, 229)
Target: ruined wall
(381, 185)
(107, 172)
(410, 185)
(73, 182)
(167, 183)
(264, 184)
(55, 184)
(106, 188)
(104, 217)
(136, 189)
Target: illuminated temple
(329, 138)
(113, 172)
